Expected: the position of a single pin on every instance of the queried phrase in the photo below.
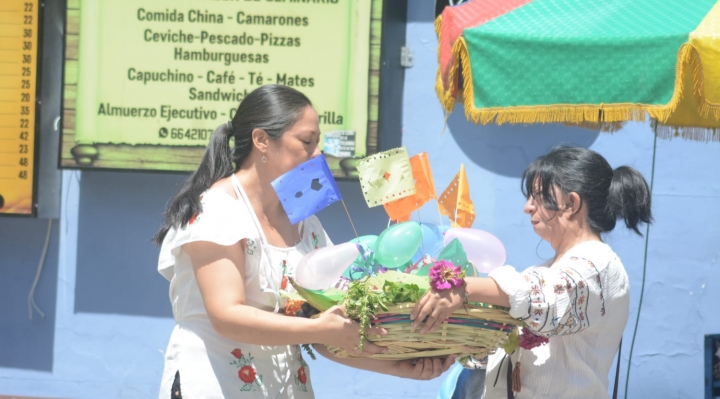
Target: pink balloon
(483, 249)
(321, 268)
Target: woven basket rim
(478, 329)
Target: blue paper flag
(307, 189)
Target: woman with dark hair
(575, 305)
(228, 248)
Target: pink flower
(445, 275)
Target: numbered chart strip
(18, 71)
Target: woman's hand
(436, 306)
(338, 330)
(425, 368)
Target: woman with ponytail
(228, 248)
(575, 305)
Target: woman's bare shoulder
(225, 184)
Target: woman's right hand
(423, 368)
(435, 307)
(340, 331)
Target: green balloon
(397, 244)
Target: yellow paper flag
(386, 176)
(455, 201)
(400, 210)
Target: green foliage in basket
(363, 302)
(368, 296)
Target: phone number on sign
(180, 133)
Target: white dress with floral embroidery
(582, 304)
(213, 367)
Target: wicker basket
(477, 330)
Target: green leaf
(400, 278)
(512, 343)
(382, 306)
(315, 298)
(334, 294)
(400, 292)
(307, 348)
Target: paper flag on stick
(386, 176)
(455, 201)
(307, 189)
(400, 210)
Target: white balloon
(483, 249)
(321, 268)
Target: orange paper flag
(401, 209)
(455, 201)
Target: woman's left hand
(436, 306)
(425, 368)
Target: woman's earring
(263, 159)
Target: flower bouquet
(380, 279)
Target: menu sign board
(147, 82)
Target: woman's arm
(551, 300)
(417, 369)
(557, 300)
(220, 274)
(437, 306)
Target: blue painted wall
(107, 316)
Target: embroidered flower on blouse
(193, 218)
(315, 239)
(247, 374)
(302, 377)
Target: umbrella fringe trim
(688, 57)
(706, 134)
(605, 117)
(447, 99)
(438, 25)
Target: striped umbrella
(594, 63)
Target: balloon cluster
(409, 247)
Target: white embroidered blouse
(581, 303)
(211, 366)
